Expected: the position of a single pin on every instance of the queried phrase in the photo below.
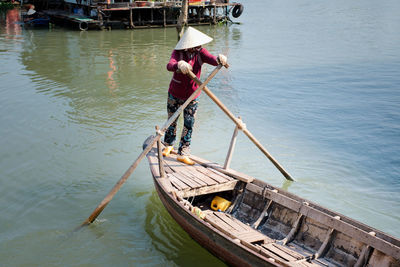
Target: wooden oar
(160, 133)
(240, 125)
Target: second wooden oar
(126, 175)
(240, 125)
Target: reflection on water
(86, 70)
(13, 29)
(110, 80)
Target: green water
(316, 83)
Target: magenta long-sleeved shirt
(181, 86)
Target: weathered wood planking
(223, 227)
(230, 172)
(178, 166)
(243, 232)
(238, 175)
(234, 227)
(272, 248)
(196, 180)
(328, 220)
(211, 174)
(238, 225)
(203, 177)
(252, 237)
(228, 186)
(220, 173)
(177, 183)
(191, 183)
(168, 169)
(188, 173)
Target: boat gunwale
(364, 227)
(328, 220)
(387, 242)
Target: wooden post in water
(182, 20)
(164, 16)
(100, 16)
(215, 14)
(131, 18)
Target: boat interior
(272, 223)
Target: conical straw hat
(31, 12)
(192, 38)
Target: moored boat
(38, 22)
(264, 225)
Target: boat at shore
(247, 222)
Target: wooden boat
(38, 22)
(264, 225)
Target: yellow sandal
(167, 150)
(185, 159)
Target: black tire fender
(83, 25)
(237, 10)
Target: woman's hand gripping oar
(241, 126)
(160, 133)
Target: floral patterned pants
(189, 113)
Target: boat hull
(217, 243)
(266, 226)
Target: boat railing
(160, 132)
(237, 120)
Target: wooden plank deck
(196, 179)
(234, 228)
(257, 241)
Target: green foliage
(6, 5)
(223, 21)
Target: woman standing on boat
(31, 14)
(188, 55)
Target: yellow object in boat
(167, 150)
(220, 204)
